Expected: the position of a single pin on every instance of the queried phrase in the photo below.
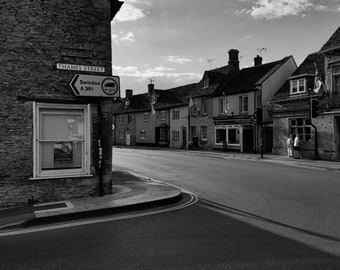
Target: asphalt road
(198, 237)
(298, 203)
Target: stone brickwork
(35, 36)
(325, 128)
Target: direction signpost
(95, 86)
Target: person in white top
(290, 143)
(297, 147)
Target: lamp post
(311, 116)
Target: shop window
(142, 134)
(220, 135)
(204, 133)
(302, 127)
(61, 140)
(298, 86)
(336, 79)
(243, 104)
(233, 135)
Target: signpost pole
(100, 150)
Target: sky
(172, 42)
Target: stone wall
(34, 37)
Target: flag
(153, 100)
(191, 102)
(318, 83)
(225, 104)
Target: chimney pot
(257, 61)
(233, 59)
(151, 88)
(128, 93)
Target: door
(128, 141)
(184, 137)
(248, 139)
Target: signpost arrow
(95, 86)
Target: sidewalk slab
(128, 191)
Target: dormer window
(205, 82)
(298, 86)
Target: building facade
(318, 79)
(54, 144)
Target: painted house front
(242, 121)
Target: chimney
(128, 93)
(257, 61)
(233, 59)
(151, 88)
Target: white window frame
(175, 135)
(222, 106)
(204, 106)
(146, 117)
(175, 114)
(238, 132)
(204, 133)
(163, 115)
(220, 128)
(142, 134)
(244, 106)
(296, 84)
(38, 173)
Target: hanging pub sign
(95, 86)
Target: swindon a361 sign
(95, 86)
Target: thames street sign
(95, 86)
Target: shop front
(234, 135)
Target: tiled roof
(333, 42)
(216, 78)
(165, 99)
(306, 67)
(246, 79)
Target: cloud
(129, 12)
(158, 72)
(121, 37)
(176, 59)
(273, 9)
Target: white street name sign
(80, 68)
(95, 86)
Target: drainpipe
(100, 150)
(316, 156)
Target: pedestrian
(297, 147)
(290, 143)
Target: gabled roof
(333, 42)
(216, 78)
(246, 79)
(173, 97)
(306, 68)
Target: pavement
(130, 190)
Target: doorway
(184, 137)
(127, 136)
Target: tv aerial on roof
(152, 79)
(264, 49)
